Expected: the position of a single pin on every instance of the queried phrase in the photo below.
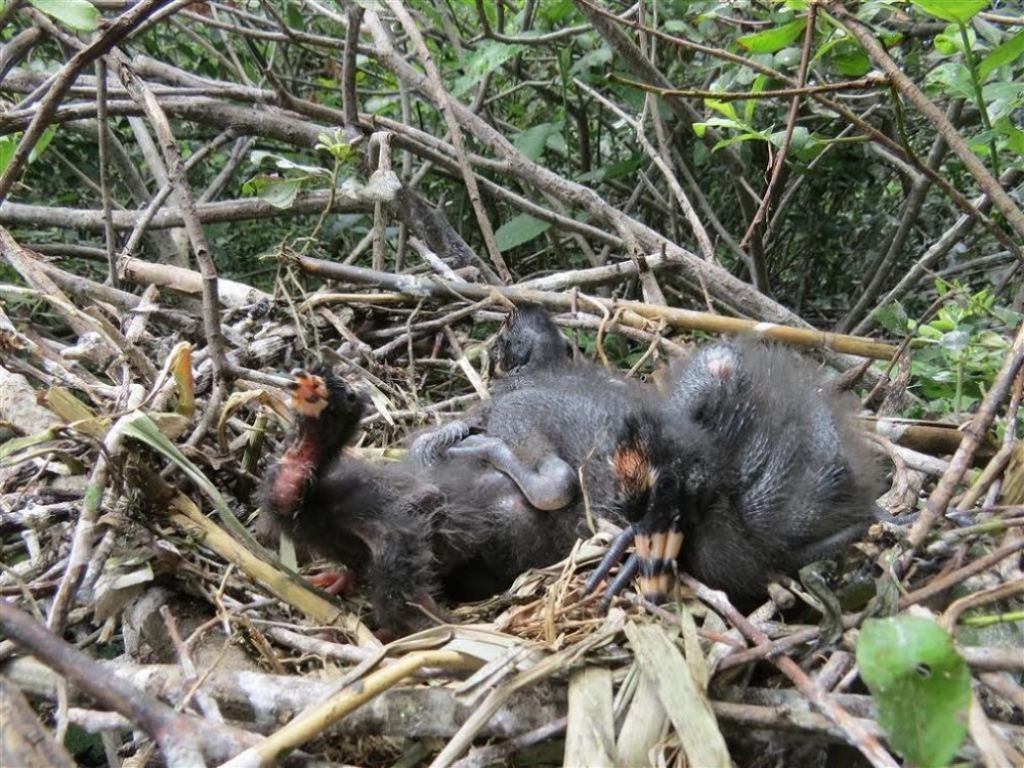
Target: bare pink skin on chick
(309, 398)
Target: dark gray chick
(749, 469)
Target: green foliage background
(849, 217)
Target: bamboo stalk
(184, 515)
(635, 313)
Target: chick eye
(667, 485)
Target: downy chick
(375, 519)
(749, 469)
(527, 342)
(413, 534)
(548, 416)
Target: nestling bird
(327, 415)
(460, 522)
(747, 470)
(458, 529)
(527, 342)
(744, 470)
(373, 519)
(548, 417)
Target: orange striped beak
(309, 394)
(657, 553)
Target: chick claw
(431, 448)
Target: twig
(496, 753)
(779, 161)
(314, 720)
(435, 89)
(57, 87)
(637, 314)
(975, 432)
(854, 732)
(177, 176)
(926, 107)
(177, 735)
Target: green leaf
(724, 107)
(565, 66)
(556, 143)
(750, 105)
(332, 142)
(1011, 50)
(596, 59)
(521, 229)
(797, 142)
(295, 16)
(772, 40)
(746, 133)
(954, 79)
(8, 146)
(74, 14)
(625, 167)
(277, 191)
(856, 63)
(556, 12)
(485, 59)
(892, 317)
(920, 683)
(258, 156)
(1014, 135)
(532, 141)
(42, 144)
(948, 44)
(789, 56)
(280, 193)
(1002, 97)
(956, 11)
(736, 140)
(955, 341)
(490, 55)
(846, 55)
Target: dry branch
(635, 313)
(264, 701)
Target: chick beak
(657, 546)
(309, 394)
(657, 552)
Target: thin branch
(444, 102)
(57, 86)
(177, 735)
(779, 161)
(177, 176)
(635, 313)
(986, 181)
(872, 81)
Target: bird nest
(130, 467)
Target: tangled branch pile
(142, 395)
